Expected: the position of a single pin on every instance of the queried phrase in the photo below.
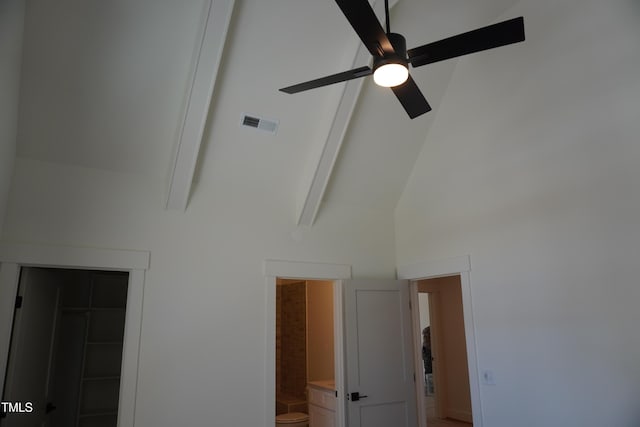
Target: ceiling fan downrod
(386, 14)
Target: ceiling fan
(391, 58)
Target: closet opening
(65, 354)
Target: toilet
(292, 419)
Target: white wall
(531, 167)
(423, 300)
(202, 347)
(320, 336)
(11, 25)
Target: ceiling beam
(203, 80)
(317, 177)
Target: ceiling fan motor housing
(399, 57)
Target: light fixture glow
(390, 75)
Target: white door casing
(285, 269)
(461, 266)
(382, 321)
(379, 353)
(14, 256)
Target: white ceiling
(103, 82)
(105, 86)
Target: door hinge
(410, 308)
(19, 301)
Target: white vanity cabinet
(322, 404)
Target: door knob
(355, 396)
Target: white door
(379, 354)
(31, 349)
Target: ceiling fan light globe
(390, 75)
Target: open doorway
(445, 395)
(374, 350)
(66, 348)
(305, 353)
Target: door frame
(15, 256)
(274, 269)
(457, 266)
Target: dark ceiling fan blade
(365, 23)
(496, 35)
(329, 80)
(411, 98)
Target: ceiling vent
(260, 123)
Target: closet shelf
(98, 413)
(101, 378)
(104, 342)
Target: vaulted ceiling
(108, 85)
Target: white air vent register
(259, 123)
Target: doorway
(371, 316)
(305, 350)
(65, 353)
(13, 257)
(445, 395)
